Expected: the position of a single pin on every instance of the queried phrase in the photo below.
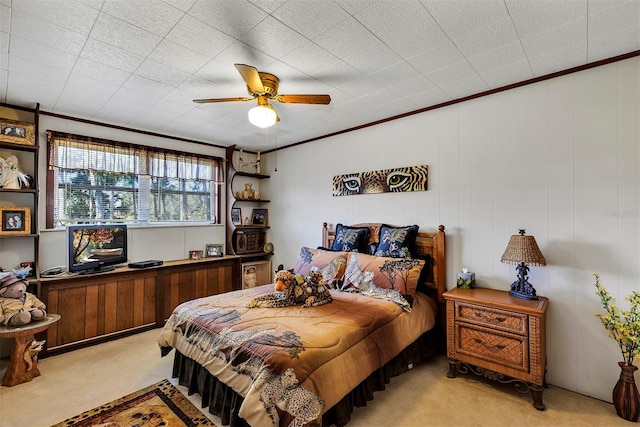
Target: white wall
(559, 158)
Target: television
(96, 248)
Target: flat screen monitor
(96, 248)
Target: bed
(295, 366)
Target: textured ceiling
(140, 63)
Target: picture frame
(15, 220)
(16, 132)
(259, 217)
(213, 250)
(256, 273)
(236, 216)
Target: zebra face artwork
(411, 178)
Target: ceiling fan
(264, 87)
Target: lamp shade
(262, 116)
(523, 249)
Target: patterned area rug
(158, 405)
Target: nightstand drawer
(492, 345)
(495, 318)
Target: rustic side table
(498, 336)
(23, 366)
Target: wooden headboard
(431, 243)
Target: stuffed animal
(17, 306)
(10, 175)
(291, 289)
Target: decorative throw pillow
(331, 263)
(350, 239)
(397, 242)
(399, 274)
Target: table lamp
(523, 250)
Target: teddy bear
(17, 306)
(291, 289)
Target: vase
(626, 398)
(248, 191)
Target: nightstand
(498, 336)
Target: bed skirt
(225, 403)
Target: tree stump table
(23, 366)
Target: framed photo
(259, 217)
(17, 132)
(213, 250)
(256, 273)
(15, 220)
(236, 216)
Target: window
(97, 180)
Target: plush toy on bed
(291, 289)
(17, 306)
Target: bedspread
(299, 360)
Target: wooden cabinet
(110, 305)
(19, 138)
(197, 279)
(494, 334)
(99, 305)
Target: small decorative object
(30, 182)
(248, 191)
(17, 306)
(249, 277)
(247, 221)
(241, 162)
(213, 250)
(259, 217)
(15, 220)
(268, 248)
(523, 250)
(466, 279)
(236, 216)
(16, 132)
(195, 255)
(624, 327)
(10, 175)
(240, 195)
(256, 164)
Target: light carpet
(86, 378)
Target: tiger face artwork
(411, 178)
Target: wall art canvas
(397, 180)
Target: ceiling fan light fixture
(263, 116)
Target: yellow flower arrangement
(623, 326)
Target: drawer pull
(478, 313)
(501, 319)
(498, 346)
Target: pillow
(350, 239)
(397, 242)
(331, 263)
(398, 274)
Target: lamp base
(521, 288)
(523, 295)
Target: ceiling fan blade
(251, 76)
(204, 101)
(304, 99)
